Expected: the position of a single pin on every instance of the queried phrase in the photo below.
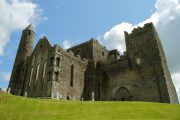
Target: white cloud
(5, 76)
(166, 12)
(16, 15)
(115, 37)
(166, 19)
(67, 44)
(176, 78)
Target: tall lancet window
(72, 75)
(37, 73)
(31, 76)
(44, 70)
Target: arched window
(72, 75)
(57, 61)
(44, 69)
(30, 76)
(37, 73)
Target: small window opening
(102, 53)
(29, 32)
(58, 61)
(41, 46)
(72, 75)
(50, 74)
(56, 76)
(52, 59)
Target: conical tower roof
(30, 27)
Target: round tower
(24, 50)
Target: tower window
(56, 76)
(58, 61)
(72, 75)
(29, 32)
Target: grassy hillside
(20, 108)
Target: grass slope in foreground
(20, 108)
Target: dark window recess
(105, 76)
(58, 61)
(85, 81)
(72, 75)
(56, 76)
(50, 74)
(68, 97)
(102, 53)
(41, 46)
(52, 59)
(29, 32)
(78, 51)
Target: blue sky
(69, 22)
(82, 19)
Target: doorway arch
(123, 94)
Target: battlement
(57, 49)
(140, 30)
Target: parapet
(140, 30)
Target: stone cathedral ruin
(140, 74)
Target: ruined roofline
(114, 51)
(138, 30)
(82, 44)
(78, 58)
(56, 47)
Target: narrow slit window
(72, 75)
(56, 76)
(30, 76)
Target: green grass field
(21, 108)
